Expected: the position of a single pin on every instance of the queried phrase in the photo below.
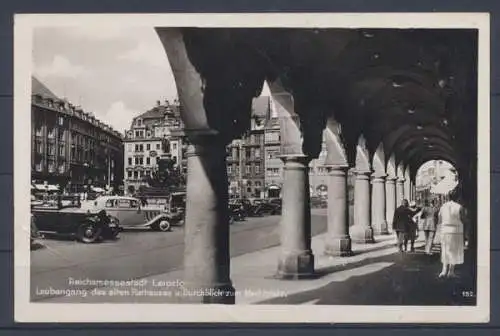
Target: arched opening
(435, 179)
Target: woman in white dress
(451, 219)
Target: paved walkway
(377, 274)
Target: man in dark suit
(401, 224)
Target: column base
(295, 266)
(338, 246)
(224, 294)
(362, 234)
(381, 228)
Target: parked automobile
(88, 226)
(319, 202)
(267, 208)
(129, 213)
(236, 212)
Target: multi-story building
(272, 149)
(152, 135)
(246, 160)
(274, 165)
(71, 149)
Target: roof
(38, 88)
(159, 112)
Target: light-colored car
(129, 213)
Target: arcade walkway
(384, 101)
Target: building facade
(71, 149)
(153, 135)
(246, 160)
(318, 173)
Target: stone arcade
(387, 100)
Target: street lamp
(85, 167)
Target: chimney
(158, 103)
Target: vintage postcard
(267, 168)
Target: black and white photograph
(295, 168)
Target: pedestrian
(401, 224)
(413, 226)
(429, 218)
(452, 217)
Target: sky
(115, 73)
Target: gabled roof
(38, 88)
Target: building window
(51, 166)
(129, 161)
(148, 161)
(136, 175)
(158, 146)
(62, 168)
(148, 147)
(51, 149)
(174, 146)
(39, 166)
(257, 152)
(38, 147)
(258, 183)
(139, 122)
(249, 190)
(141, 148)
(51, 134)
(229, 170)
(61, 150)
(61, 121)
(257, 169)
(129, 173)
(248, 169)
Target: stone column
(379, 224)
(390, 200)
(399, 191)
(296, 258)
(338, 241)
(206, 233)
(362, 231)
(407, 189)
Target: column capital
(391, 179)
(365, 173)
(299, 159)
(336, 170)
(378, 178)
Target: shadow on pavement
(410, 280)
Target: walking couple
(404, 225)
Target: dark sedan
(88, 226)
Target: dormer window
(139, 122)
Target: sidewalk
(253, 275)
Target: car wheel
(89, 233)
(164, 225)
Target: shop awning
(45, 187)
(444, 186)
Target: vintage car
(64, 216)
(130, 213)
